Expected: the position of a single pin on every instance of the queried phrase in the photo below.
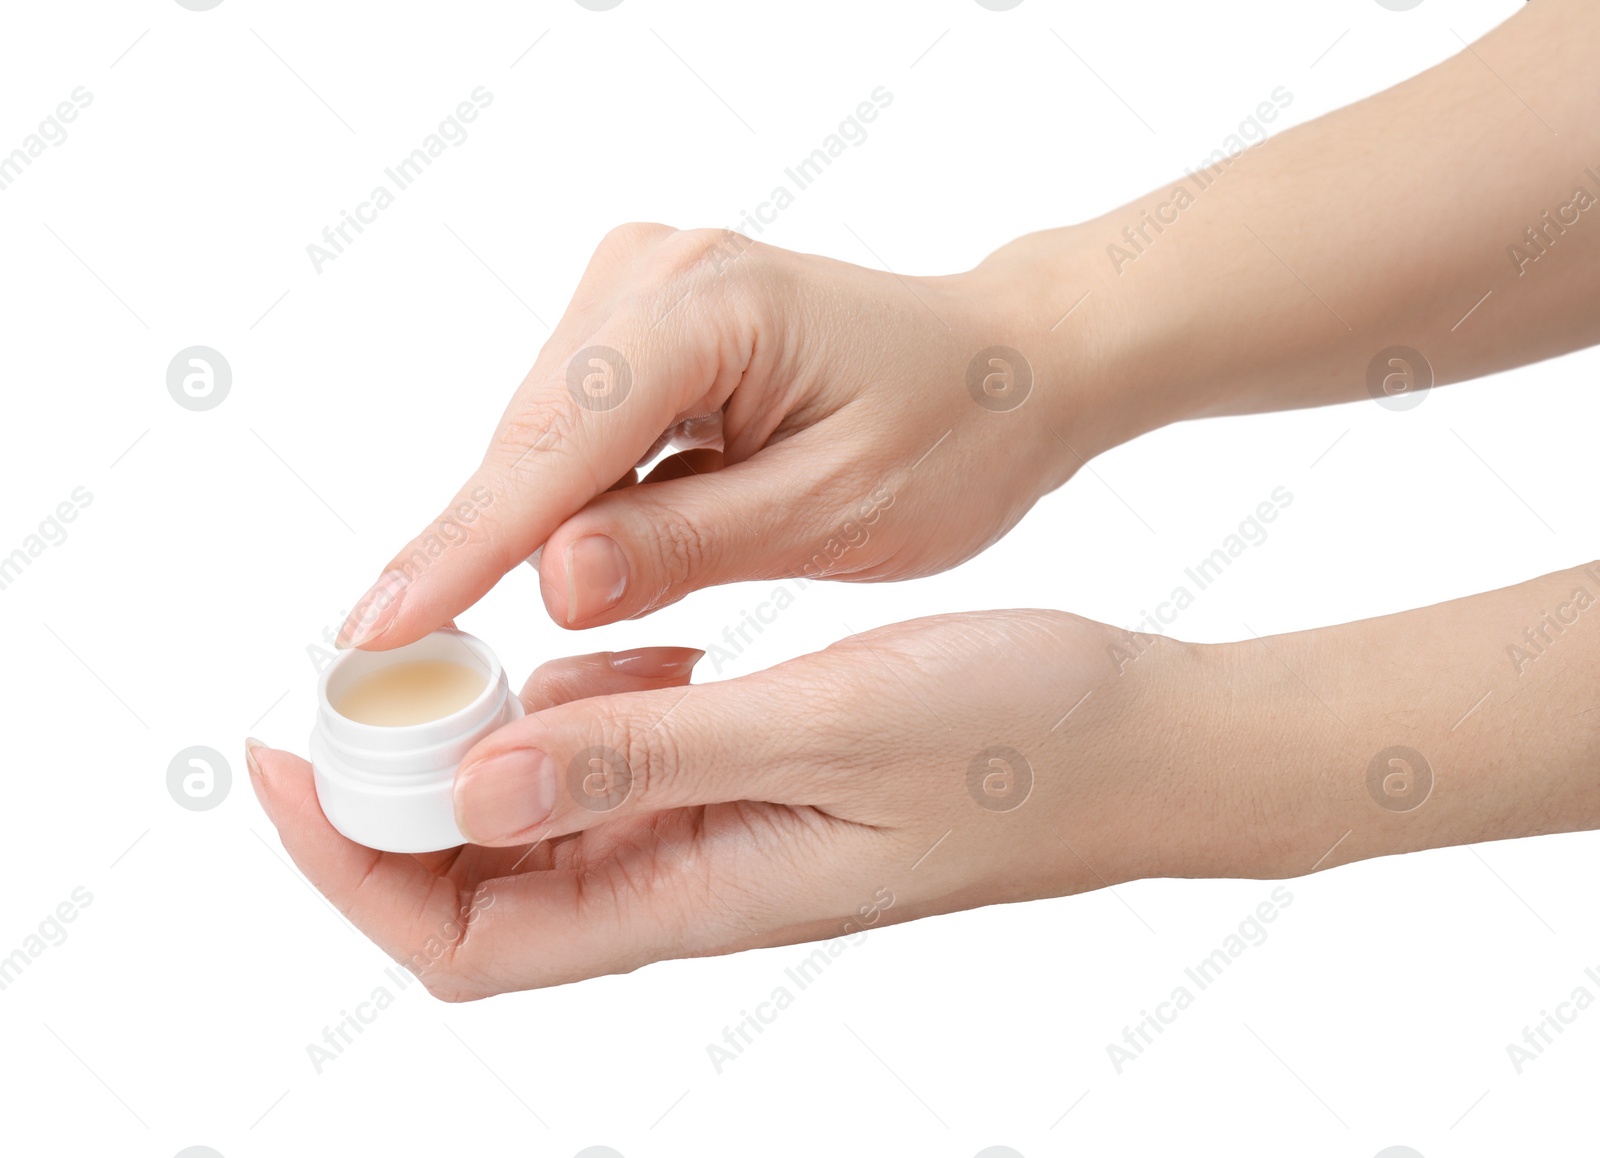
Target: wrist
(1343, 751)
(1153, 756)
(1245, 759)
(1227, 736)
(1082, 330)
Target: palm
(629, 850)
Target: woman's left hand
(929, 766)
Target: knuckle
(827, 742)
(546, 422)
(650, 754)
(629, 237)
(686, 249)
(698, 256)
(616, 254)
(684, 547)
(449, 985)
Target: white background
(219, 545)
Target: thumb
(580, 764)
(632, 551)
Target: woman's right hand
(829, 420)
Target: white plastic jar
(389, 787)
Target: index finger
(589, 410)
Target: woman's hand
(930, 766)
(964, 760)
(845, 422)
(832, 421)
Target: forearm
(1473, 720)
(1274, 279)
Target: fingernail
(505, 795)
(375, 610)
(597, 575)
(656, 663)
(250, 746)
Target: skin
(825, 425)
